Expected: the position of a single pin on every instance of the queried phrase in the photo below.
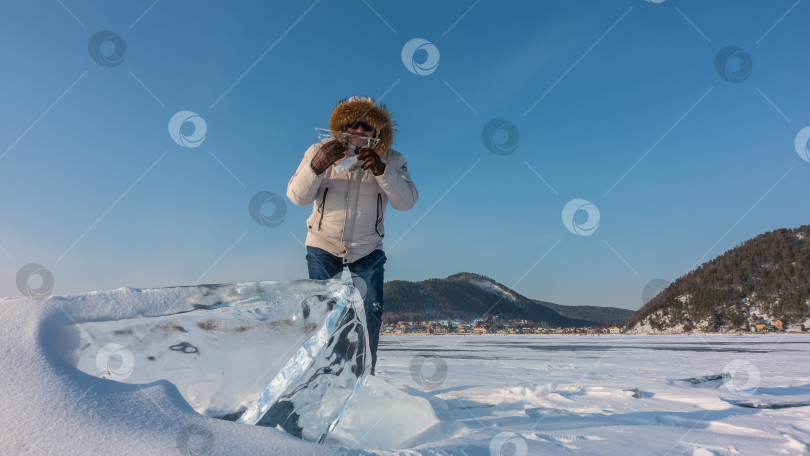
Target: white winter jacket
(348, 209)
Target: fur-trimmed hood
(367, 110)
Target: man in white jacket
(348, 205)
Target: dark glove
(327, 154)
(371, 160)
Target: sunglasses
(359, 123)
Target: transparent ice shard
(325, 135)
(290, 354)
(316, 386)
(352, 141)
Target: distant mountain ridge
(765, 279)
(467, 296)
(598, 315)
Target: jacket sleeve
(303, 186)
(397, 184)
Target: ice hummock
(288, 354)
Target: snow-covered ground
(459, 395)
(644, 395)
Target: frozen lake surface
(701, 395)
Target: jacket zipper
(321, 209)
(379, 219)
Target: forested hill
(764, 279)
(467, 296)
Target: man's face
(359, 130)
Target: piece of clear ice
(289, 354)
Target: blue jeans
(323, 265)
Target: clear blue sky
(619, 103)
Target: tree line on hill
(769, 275)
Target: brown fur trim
(367, 110)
